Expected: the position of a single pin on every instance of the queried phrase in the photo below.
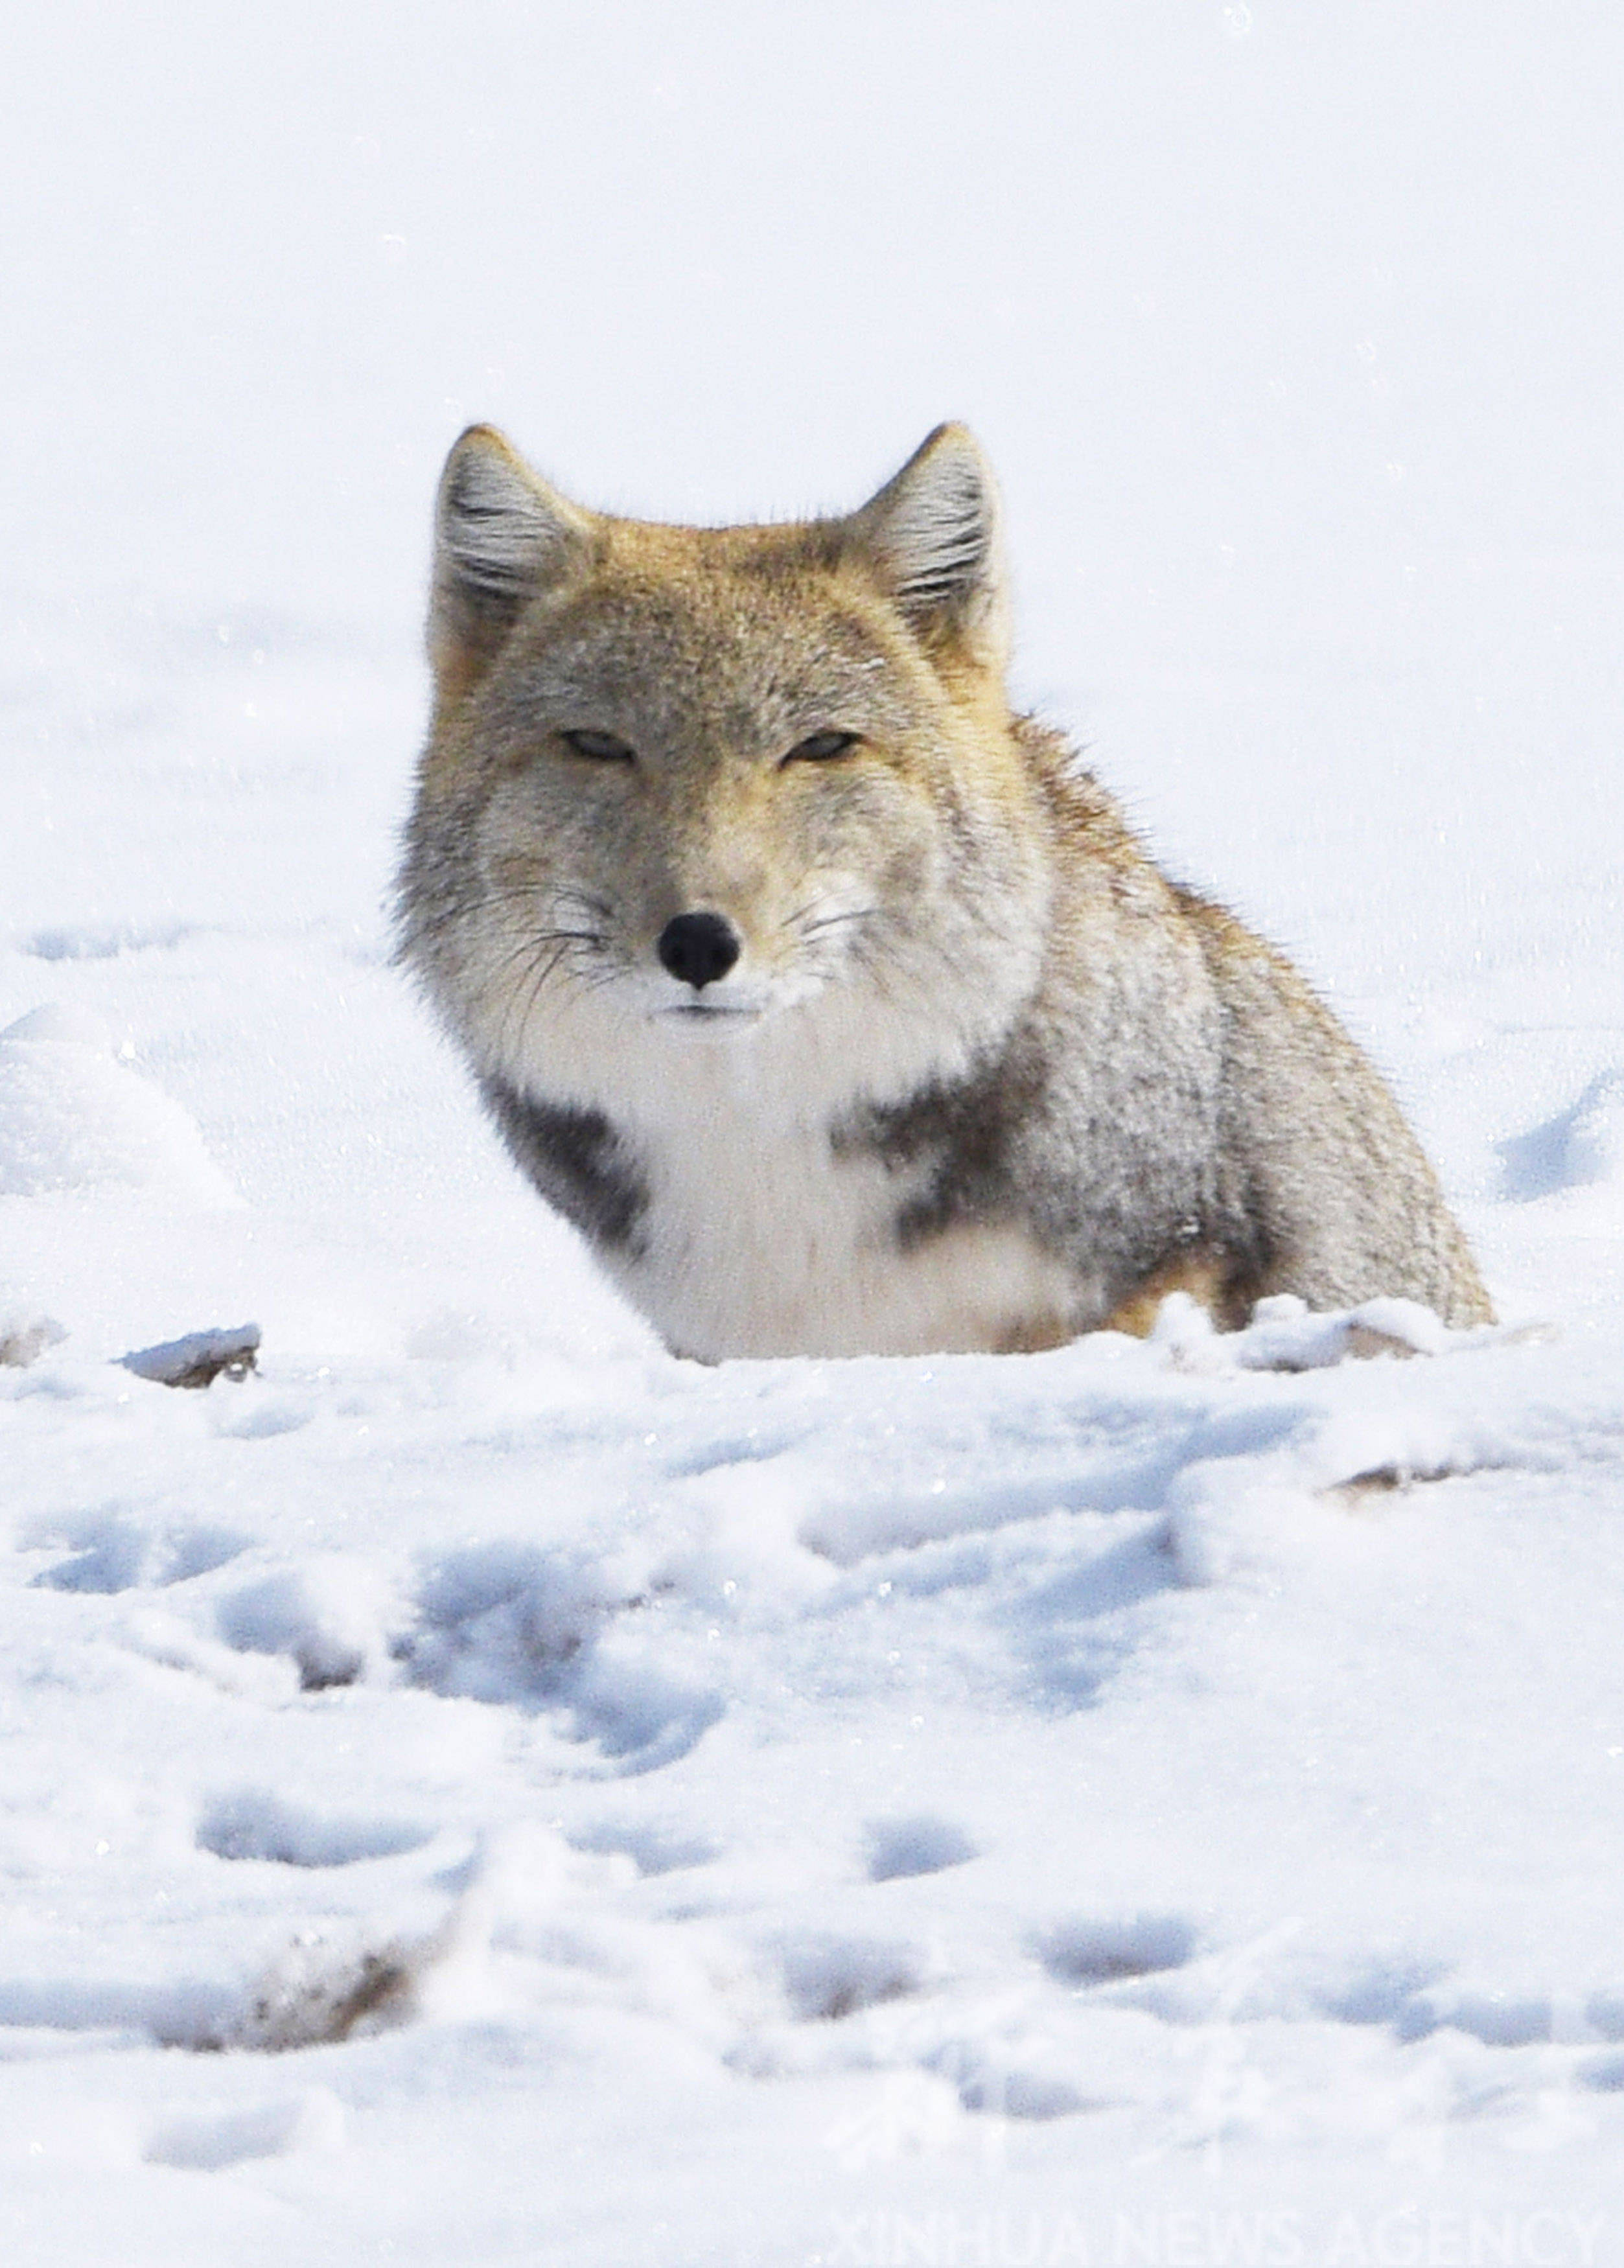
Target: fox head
(741, 789)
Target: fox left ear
(501, 534)
(933, 537)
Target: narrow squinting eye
(817, 747)
(602, 747)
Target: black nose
(697, 949)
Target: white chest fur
(759, 1238)
(756, 1233)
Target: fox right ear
(501, 534)
(933, 536)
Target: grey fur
(577, 1161)
(1179, 1092)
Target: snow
(71, 1117)
(474, 1788)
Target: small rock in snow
(198, 1359)
(23, 1338)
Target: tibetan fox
(835, 1005)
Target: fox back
(835, 1004)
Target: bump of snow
(72, 1117)
(1581, 1148)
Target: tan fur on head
(929, 539)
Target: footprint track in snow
(105, 941)
(251, 1824)
(652, 1850)
(108, 1552)
(828, 1978)
(512, 1623)
(1080, 1952)
(894, 1849)
(204, 2140)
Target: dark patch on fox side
(959, 1134)
(986, 1148)
(575, 1160)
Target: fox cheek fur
(836, 1005)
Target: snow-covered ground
(476, 1789)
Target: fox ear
(501, 534)
(933, 536)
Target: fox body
(836, 1005)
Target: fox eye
(602, 747)
(817, 747)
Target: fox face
(740, 790)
